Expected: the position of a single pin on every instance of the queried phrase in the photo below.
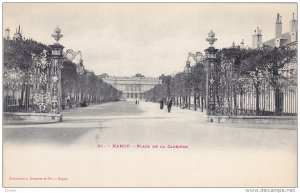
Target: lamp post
(210, 77)
(198, 57)
(70, 55)
(188, 71)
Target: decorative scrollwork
(55, 78)
(41, 61)
(70, 54)
(198, 57)
(40, 81)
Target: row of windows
(132, 88)
(139, 88)
(132, 82)
(134, 95)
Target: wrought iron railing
(225, 111)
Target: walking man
(169, 105)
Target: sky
(122, 39)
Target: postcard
(150, 95)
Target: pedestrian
(169, 105)
(136, 102)
(161, 104)
(69, 103)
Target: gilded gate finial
(57, 34)
(211, 38)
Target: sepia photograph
(150, 95)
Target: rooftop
(271, 42)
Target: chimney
(242, 45)
(293, 29)
(7, 34)
(278, 27)
(293, 24)
(256, 39)
(233, 45)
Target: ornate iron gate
(40, 83)
(237, 95)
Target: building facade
(287, 97)
(280, 39)
(132, 87)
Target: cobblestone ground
(127, 145)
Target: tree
(277, 62)
(17, 53)
(230, 62)
(69, 77)
(17, 57)
(198, 81)
(253, 67)
(139, 75)
(166, 81)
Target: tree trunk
(278, 105)
(202, 104)
(241, 100)
(189, 98)
(22, 96)
(27, 97)
(234, 103)
(257, 99)
(195, 102)
(180, 101)
(199, 100)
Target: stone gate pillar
(211, 58)
(56, 65)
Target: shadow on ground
(59, 135)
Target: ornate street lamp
(198, 57)
(211, 53)
(70, 55)
(80, 67)
(188, 71)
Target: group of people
(168, 103)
